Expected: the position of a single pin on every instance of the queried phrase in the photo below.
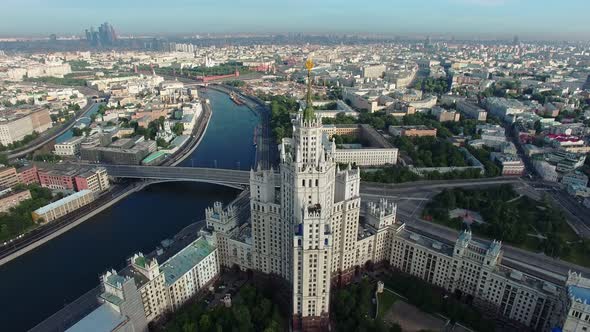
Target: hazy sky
(569, 19)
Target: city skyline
(487, 19)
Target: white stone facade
(306, 227)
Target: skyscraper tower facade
(304, 222)
(320, 206)
(308, 181)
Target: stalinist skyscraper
(308, 182)
(321, 205)
(305, 222)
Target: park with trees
(353, 307)
(252, 310)
(511, 218)
(19, 219)
(432, 85)
(282, 110)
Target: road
(51, 134)
(577, 214)
(43, 231)
(387, 188)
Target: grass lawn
(386, 300)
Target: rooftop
(153, 156)
(581, 294)
(104, 318)
(116, 280)
(185, 260)
(65, 200)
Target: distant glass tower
(105, 36)
(515, 41)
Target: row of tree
(397, 174)
(18, 144)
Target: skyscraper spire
(308, 114)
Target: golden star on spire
(309, 64)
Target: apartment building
(8, 177)
(10, 198)
(145, 290)
(15, 127)
(95, 179)
(70, 147)
(63, 206)
(471, 110)
(472, 268)
(119, 307)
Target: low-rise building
(504, 108)
(374, 71)
(575, 179)
(8, 177)
(375, 150)
(509, 163)
(63, 206)
(28, 174)
(95, 179)
(417, 131)
(545, 170)
(69, 177)
(426, 103)
(471, 110)
(70, 147)
(579, 191)
(15, 127)
(443, 115)
(116, 154)
(10, 198)
(358, 155)
(62, 179)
